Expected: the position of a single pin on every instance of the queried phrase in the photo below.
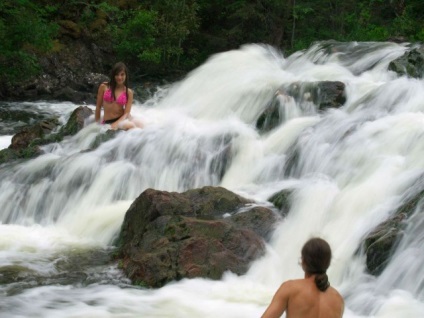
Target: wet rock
(380, 244)
(8, 155)
(292, 161)
(23, 138)
(212, 202)
(26, 143)
(77, 120)
(101, 138)
(410, 64)
(309, 96)
(256, 219)
(222, 159)
(325, 94)
(271, 117)
(281, 200)
(169, 236)
(28, 134)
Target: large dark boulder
(168, 236)
(410, 64)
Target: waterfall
(61, 212)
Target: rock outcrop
(410, 64)
(72, 72)
(199, 233)
(26, 143)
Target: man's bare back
(311, 297)
(302, 299)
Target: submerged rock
(272, 116)
(168, 236)
(381, 243)
(324, 94)
(309, 96)
(410, 64)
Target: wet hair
(316, 257)
(117, 68)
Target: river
(61, 212)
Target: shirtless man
(311, 297)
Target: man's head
(316, 258)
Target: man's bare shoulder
(293, 283)
(293, 286)
(297, 283)
(336, 296)
(334, 291)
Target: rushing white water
(5, 141)
(355, 165)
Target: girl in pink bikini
(116, 99)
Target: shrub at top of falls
(410, 64)
(25, 144)
(168, 236)
(324, 94)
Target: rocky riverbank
(77, 65)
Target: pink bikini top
(108, 97)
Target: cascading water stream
(355, 165)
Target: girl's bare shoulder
(104, 85)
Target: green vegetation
(162, 36)
(24, 31)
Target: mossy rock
(410, 64)
(167, 236)
(281, 200)
(76, 121)
(102, 138)
(380, 244)
(26, 143)
(7, 155)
